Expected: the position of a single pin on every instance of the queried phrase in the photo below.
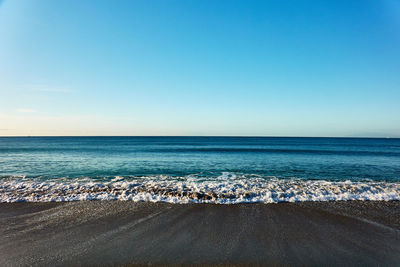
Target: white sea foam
(227, 188)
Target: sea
(220, 170)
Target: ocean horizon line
(205, 136)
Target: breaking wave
(228, 188)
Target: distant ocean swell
(228, 188)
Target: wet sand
(353, 233)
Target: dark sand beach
(352, 233)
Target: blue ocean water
(198, 163)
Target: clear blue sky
(282, 68)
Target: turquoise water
(198, 163)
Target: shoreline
(226, 188)
(361, 233)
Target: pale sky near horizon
(262, 68)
